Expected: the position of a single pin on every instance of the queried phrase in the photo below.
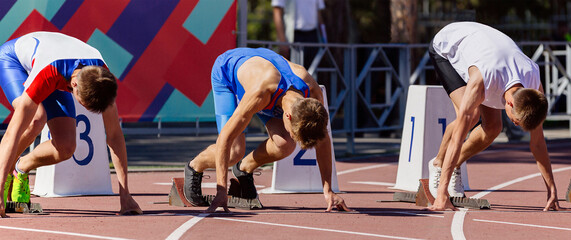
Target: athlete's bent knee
(492, 131)
(65, 149)
(286, 147)
(36, 126)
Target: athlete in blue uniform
(289, 101)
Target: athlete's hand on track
(552, 203)
(2, 209)
(333, 200)
(221, 200)
(129, 206)
(440, 205)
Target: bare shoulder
(301, 72)
(258, 74)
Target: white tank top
(500, 61)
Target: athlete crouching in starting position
(39, 72)
(484, 71)
(287, 99)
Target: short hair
(309, 120)
(96, 88)
(530, 108)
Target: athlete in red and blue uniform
(26, 68)
(289, 101)
(40, 73)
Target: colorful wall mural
(161, 51)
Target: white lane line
(62, 233)
(523, 224)
(364, 168)
(458, 228)
(186, 226)
(373, 183)
(312, 228)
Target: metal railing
(367, 83)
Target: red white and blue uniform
(40, 64)
(228, 91)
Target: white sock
(17, 169)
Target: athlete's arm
(538, 148)
(278, 13)
(252, 102)
(118, 150)
(323, 148)
(24, 110)
(474, 96)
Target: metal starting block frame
(238, 202)
(177, 198)
(24, 208)
(423, 198)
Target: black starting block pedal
(470, 202)
(409, 197)
(176, 196)
(568, 195)
(423, 198)
(235, 199)
(24, 208)
(404, 197)
(238, 202)
(234, 189)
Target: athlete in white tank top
(500, 61)
(498, 75)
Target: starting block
(24, 208)
(177, 198)
(176, 195)
(424, 198)
(237, 202)
(428, 113)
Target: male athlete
(39, 73)
(248, 82)
(484, 71)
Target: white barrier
(299, 173)
(428, 111)
(87, 172)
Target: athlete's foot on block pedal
(193, 187)
(246, 180)
(434, 173)
(456, 187)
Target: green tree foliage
(260, 21)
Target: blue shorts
(225, 100)
(13, 76)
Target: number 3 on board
(83, 136)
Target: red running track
(516, 207)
